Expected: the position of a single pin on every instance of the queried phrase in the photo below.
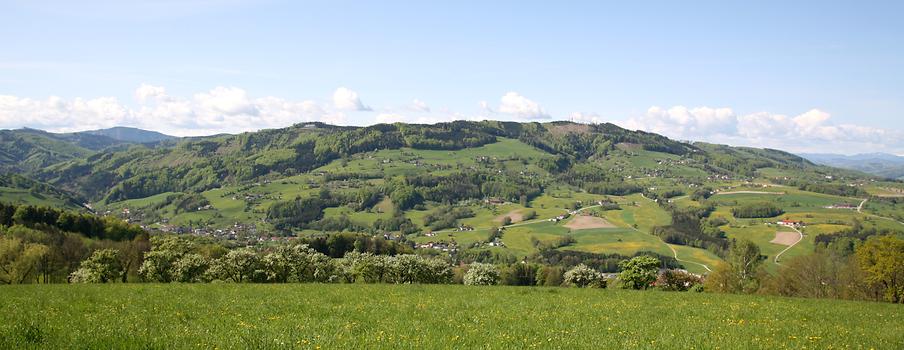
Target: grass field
(230, 316)
(25, 196)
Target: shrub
(639, 272)
(677, 280)
(481, 275)
(101, 267)
(583, 276)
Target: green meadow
(311, 316)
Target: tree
(742, 272)
(191, 268)
(520, 274)
(481, 275)
(882, 261)
(819, 275)
(550, 276)
(639, 272)
(241, 265)
(506, 221)
(19, 260)
(677, 281)
(101, 267)
(583, 276)
(159, 263)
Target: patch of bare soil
(785, 238)
(515, 215)
(583, 222)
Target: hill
(133, 135)
(880, 164)
(482, 191)
(29, 150)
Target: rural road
(525, 223)
(801, 234)
(749, 192)
(860, 210)
(530, 222)
(674, 252)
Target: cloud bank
(810, 131)
(220, 110)
(227, 109)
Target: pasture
(240, 316)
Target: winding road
(801, 234)
(576, 211)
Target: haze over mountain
(880, 164)
(129, 134)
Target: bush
(639, 272)
(101, 267)
(481, 275)
(550, 276)
(583, 276)
(678, 281)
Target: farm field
(232, 316)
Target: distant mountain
(880, 164)
(127, 134)
(29, 149)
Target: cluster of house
(441, 246)
(841, 206)
(562, 217)
(233, 232)
(790, 223)
(464, 227)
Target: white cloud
(58, 114)
(226, 101)
(146, 92)
(680, 121)
(811, 131)
(521, 107)
(222, 109)
(347, 99)
(586, 118)
(419, 106)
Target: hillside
(126, 134)
(480, 191)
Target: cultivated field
(429, 316)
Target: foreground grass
(428, 316)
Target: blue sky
(808, 76)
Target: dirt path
(800, 238)
(675, 252)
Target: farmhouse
(791, 223)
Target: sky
(816, 77)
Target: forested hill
(82, 165)
(126, 134)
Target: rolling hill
(880, 164)
(133, 135)
(485, 191)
